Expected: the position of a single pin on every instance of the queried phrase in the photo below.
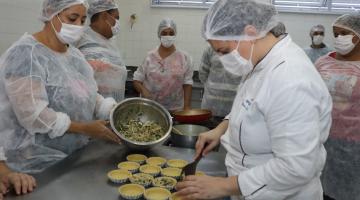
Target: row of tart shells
(128, 171)
(135, 191)
(153, 165)
(157, 161)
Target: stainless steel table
(82, 175)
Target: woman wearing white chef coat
(281, 115)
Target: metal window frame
(325, 6)
(203, 4)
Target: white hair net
(97, 6)
(227, 19)
(317, 28)
(350, 22)
(50, 8)
(166, 23)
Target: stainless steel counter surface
(82, 175)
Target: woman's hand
(146, 94)
(206, 142)
(3, 190)
(22, 183)
(207, 187)
(98, 129)
(209, 140)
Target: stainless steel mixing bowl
(186, 135)
(143, 110)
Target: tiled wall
(143, 37)
(16, 18)
(19, 16)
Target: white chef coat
(278, 124)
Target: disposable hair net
(166, 23)
(317, 28)
(50, 8)
(227, 19)
(350, 22)
(97, 6)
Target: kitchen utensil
(177, 131)
(143, 110)
(186, 135)
(190, 168)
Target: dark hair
(95, 17)
(278, 30)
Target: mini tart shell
(131, 191)
(150, 169)
(156, 192)
(133, 178)
(174, 196)
(170, 187)
(119, 175)
(171, 172)
(177, 163)
(157, 161)
(133, 167)
(139, 158)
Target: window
(183, 3)
(346, 5)
(312, 6)
(318, 6)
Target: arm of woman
(140, 88)
(25, 88)
(188, 81)
(207, 187)
(187, 96)
(139, 78)
(29, 101)
(24, 82)
(30, 104)
(95, 129)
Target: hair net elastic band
(347, 28)
(105, 9)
